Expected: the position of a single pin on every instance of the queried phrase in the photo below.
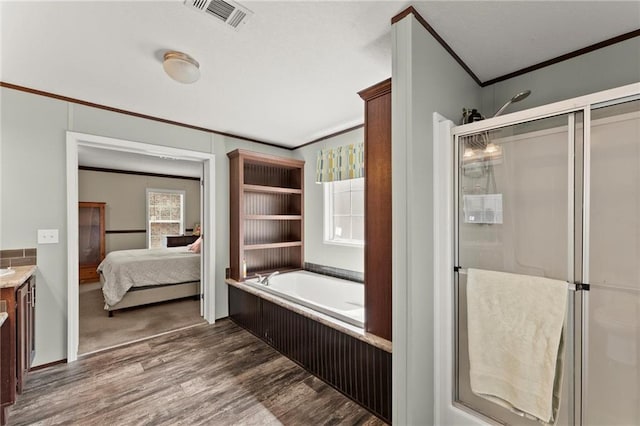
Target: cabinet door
(22, 336)
(31, 326)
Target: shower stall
(555, 192)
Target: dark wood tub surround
(377, 210)
(351, 365)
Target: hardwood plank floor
(212, 374)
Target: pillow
(195, 246)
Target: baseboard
(47, 365)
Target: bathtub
(338, 298)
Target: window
(344, 212)
(165, 215)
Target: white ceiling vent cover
(230, 12)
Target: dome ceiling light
(181, 67)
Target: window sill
(343, 243)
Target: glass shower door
(515, 214)
(612, 316)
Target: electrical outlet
(47, 236)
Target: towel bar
(572, 286)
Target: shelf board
(271, 189)
(253, 274)
(273, 217)
(273, 245)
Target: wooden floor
(212, 374)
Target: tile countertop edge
(16, 279)
(352, 331)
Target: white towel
(515, 340)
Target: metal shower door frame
(579, 310)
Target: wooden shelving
(273, 217)
(271, 189)
(266, 213)
(273, 245)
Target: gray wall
(34, 196)
(33, 185)
(125, 195)
(602, 69)
(315, 250)
(426, 79)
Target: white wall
(315, 250)
(426, 79)
(33, 185)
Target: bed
(138, 277)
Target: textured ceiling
(292, 73)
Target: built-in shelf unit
(266, 209)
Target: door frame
(76, 139)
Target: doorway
(76, 141)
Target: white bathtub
(341, 299)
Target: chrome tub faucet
(265, 280)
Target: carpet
(98, 331)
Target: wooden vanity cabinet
(18, 338)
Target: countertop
(21, 275)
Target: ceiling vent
(229, 12)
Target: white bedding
(124, 269)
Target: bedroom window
(344, 212)
(165, 215)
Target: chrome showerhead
(517, 98)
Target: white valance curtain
(340, 163)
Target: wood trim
(252, 157)
(436, 36)
(377, 206)
(126, 231)
(376, 90)
(163, 120)
(564, 57)
(131, 172)
(134, 114)
(331, 135)
(617, 39)
(49, 364)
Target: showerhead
(517, 98)
(520, 96)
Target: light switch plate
(47, 236)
